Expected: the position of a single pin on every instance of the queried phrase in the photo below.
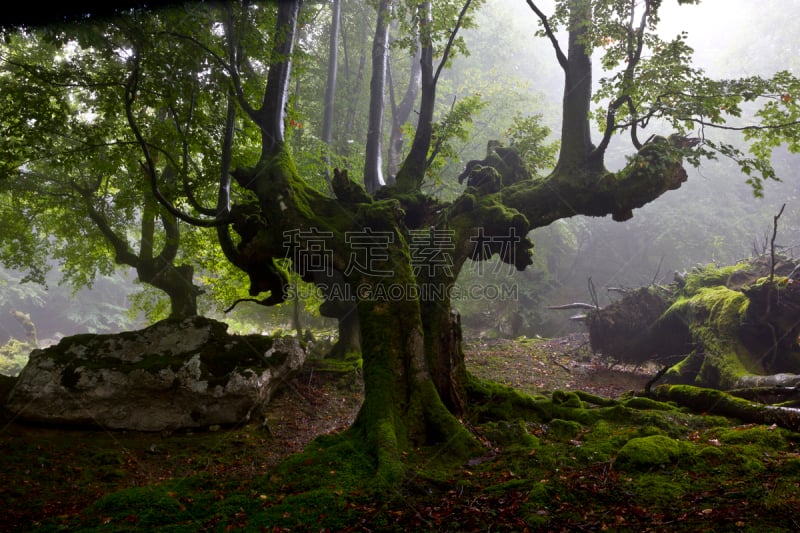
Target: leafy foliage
(14, 356)
(527, 135)
(454, 126)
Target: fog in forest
(332, 265)
(713, 218)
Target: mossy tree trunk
(413, 362)
(348, 343)
(576, 142)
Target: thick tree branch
(123, 254)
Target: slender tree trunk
(354, 87)
(412, 173)
(348, 344)
(401, 114)
(333, 69)
(273, 108)
(176, 282)
(373, 165)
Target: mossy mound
(717, 327)
(647, 452)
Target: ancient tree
(395, 252)
(416, 384)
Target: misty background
(713, 218)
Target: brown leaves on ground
(541, 365)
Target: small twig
(623, 290)
(658, 375)
(240, 300)
(772, 243)
(593, 294)
(658, 271)
(553, 360)
(576, 305)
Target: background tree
(108, 200)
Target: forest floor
(57, 478)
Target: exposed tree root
(720, 403)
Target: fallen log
(735, 327)
(717, 402)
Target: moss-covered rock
(174, 374)
(510, 434)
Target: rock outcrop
(171, 375)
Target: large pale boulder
(174, 374)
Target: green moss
(143, 506)
(490, 400)
(352, 362)
(508, 434)
(318, 510)
(657, 489)
(714, 315)
(711, 455)
(767, 437)
(593, 399)
(567, 399)
(648, 452)
(563, 430)
(640, 402)
(711, 276)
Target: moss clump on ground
(648, 452)
(713, 276)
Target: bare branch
(562, 58)
(451, 39)
(772, 243)
(576, 305)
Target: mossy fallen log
(711, 401)
(727, 328)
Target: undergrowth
(565, 460)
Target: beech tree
(396, 252)
(75, 170)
